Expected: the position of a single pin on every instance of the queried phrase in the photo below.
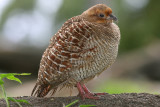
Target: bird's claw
(99, 94)
(96, 96)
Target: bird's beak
(112, 17)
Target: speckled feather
(78, 52)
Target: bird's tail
(42, 90)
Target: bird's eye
(101, 15)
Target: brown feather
(85, 46)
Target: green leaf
(1, 82)
(25, 74)
(5, 96)
(21, 73)
(14, 100)
(14, 78)
(21, 101)
(71, 103)
(87, 105)
(5, 75)
(12, 74)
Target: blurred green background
(26, 27)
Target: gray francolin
(85, 46)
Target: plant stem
(71, 103)
(14, 100)
(5, 96)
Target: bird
(84, 47)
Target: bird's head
(100, 14)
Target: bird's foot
(85, 93)
(97, 94)
(89, 96)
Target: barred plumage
(85, 46)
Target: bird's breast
(101, 53)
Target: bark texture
(108, 100)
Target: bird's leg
(85, 93)
(81, 92)
(86, 90)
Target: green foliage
(11, 76)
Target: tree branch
(108, 100)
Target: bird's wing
(66, 48)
